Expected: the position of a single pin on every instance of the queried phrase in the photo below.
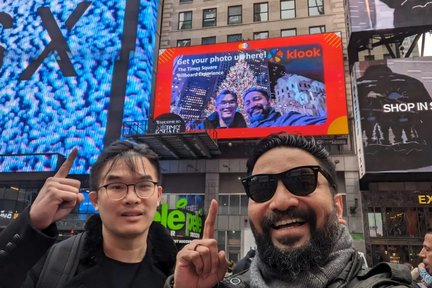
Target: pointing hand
(57, 198)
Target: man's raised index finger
(210, 220)
(66, 166)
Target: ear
(94, 199)
(159, 191)
(339, 208)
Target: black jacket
(212, 121)
(31, 245)
(355, 275)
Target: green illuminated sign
(180, 220)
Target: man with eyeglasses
(121, 247)
(295, 215)
(226, 114)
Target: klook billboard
(395, 111)
(293, 84)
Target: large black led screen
(70, 70)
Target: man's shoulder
(383, 275)
(239, 280)
(268, 121)
(297, 119)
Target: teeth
(289, 221)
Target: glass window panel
(234, 38)
(221, 240)
(316, 29)
(316, 7)
(244, 205)
(223, 204)
(209, 17)
(260, 12)
(375, 223)
(183, 42)
(208, 40)
(234, 204)
(288, 32)
(412, 222)
(185, 20)
(288, 9)
(235, 14)
(261, 35)
(394, 219)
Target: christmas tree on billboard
(238, 79)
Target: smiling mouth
(130, 214)
(288, 223)
(257, 111)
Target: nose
(283, 198)
(422, 253)
(131, 193)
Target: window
(261, 35)
(234, 14)
(234, 38)
(287, 9)
(183, 42)
(185, 20)
(209, 17)
(369, 57)
(260, 12)
(288, 32)
(316, 7)
(208, 40)
(185, 1)
(316, 29)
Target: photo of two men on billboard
(252, 92)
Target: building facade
(200, 22)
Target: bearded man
(295, 214)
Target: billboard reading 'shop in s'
(68, 73)
(293, 84)
(395, 105)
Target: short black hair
(308, 145)
(126, 150)
(257, 89)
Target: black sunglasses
(300, 181)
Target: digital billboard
(292, 84)
(183, 216)
(395, 111)
(365, 15)
(71, 72)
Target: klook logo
(303, 53)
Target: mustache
(256, 107)
(294, 212)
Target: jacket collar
(162, 249)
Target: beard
(288, 264)
(260, 116)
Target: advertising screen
(395, 108)
(367, 15)
(183, 216)
(70, 75)
(254, 88)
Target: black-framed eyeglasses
(300, 181)
(117, 191)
